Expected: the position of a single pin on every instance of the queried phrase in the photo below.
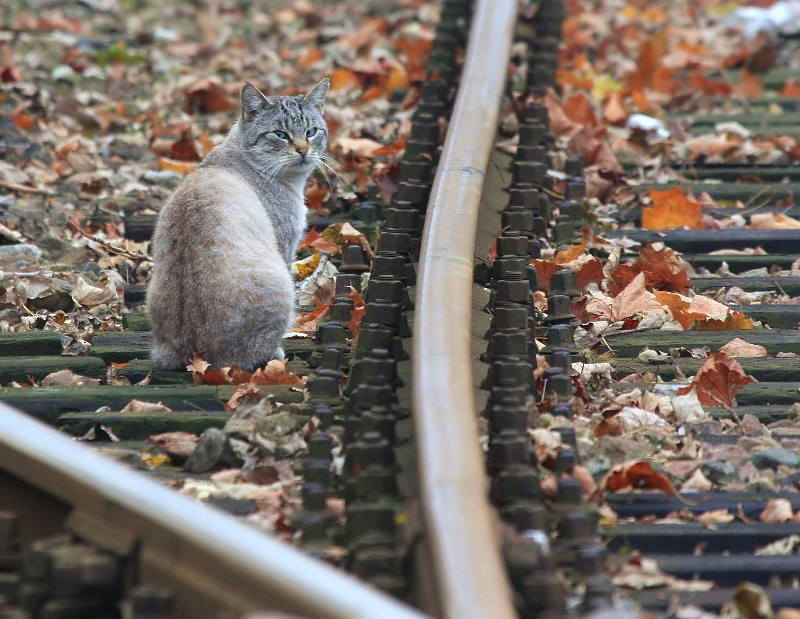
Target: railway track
(485, 470)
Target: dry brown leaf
(636, 475)
(737, 347)
(634, 299)
(774, 221)
(67, 378)
(663, 270)
(777, 510)
(718, 381)
(140, 406)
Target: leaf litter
(107, 108)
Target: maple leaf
(245, 392)
(662, 268)
(732, 321)
(718, 381)
(204, 374)
(308, 323)
(678, 306)
(275, 373)
(315, 241)
(634, 299)
(672, 208)
(636, 475)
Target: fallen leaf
(275, 373)
(173, 165)
(634, 299)
(737, 347)
(140, 406)
(244, 392)
(308, 322)
(672, 208)
(343, 79)
(718, 381)
(90, 296)
(207, 96)
(636, 475)
(777, 510)
(67, 378)
(359, 309)
(663, 270)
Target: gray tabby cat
(225, 239)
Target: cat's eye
(311, 132)
(281, 134)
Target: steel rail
(224, 562)
(462, 536)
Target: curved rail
(229, 565)
(469, 574)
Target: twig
(25, 188)
(113, 249)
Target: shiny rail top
(469, 573)
(233, 564)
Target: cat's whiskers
(321, 165)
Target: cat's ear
(316, 95)
(252, 100)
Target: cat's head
(284, 136)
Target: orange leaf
(397, 79)
(679, 308)
(614, 112)
(790, 89)
(569, 254)
(23, 121)
(579, 110)
(203, 374)
(246, 391)
(315, 196)
(312, 236)
(181, 167)
(185, 148)
(545, 270)
(651, 52)
(663, 270)
(491, 255)
(636, 475)
(207, 96)
(308, 323)
(718, 381)
(590, 271)
(343, 79)
(672, 208)
(733, 321)
(750, 86)
(312, 55)
(359, 309)
(275, 373)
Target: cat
(225, 239)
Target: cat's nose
(302, 149)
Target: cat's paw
(279, 354)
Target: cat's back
(212, 206)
